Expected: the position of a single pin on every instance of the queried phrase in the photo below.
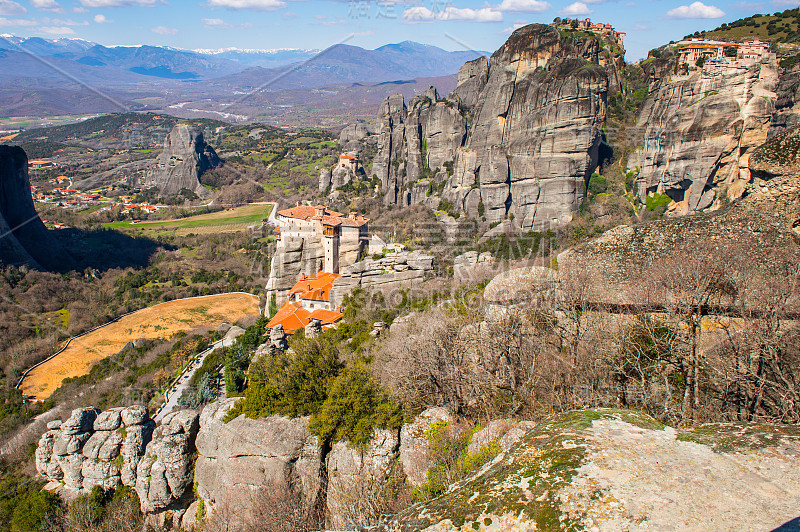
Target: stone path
(182, 382)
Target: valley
(407, 289)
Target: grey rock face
(472, 77)
(414, 444)
(416, 141)
(537, 129)
(184, 159)
(238, 458)
(295, 256)
(351, 132)
(388, 274)
(699, 131)
(535, 112)
(353, 472)
(24, 240)
(164, 474)
(92, 448)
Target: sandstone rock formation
(295, 256)
(765, 221)
(164, 475)
(352, 473)
(618, 470)
(24, 240)
(239, 458)
(415, 142)
(179, 166)
(699, 130)
(94, 448)
(404, 269)
(355, 131)
(414, 444)
(534, 137)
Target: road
(180, 384)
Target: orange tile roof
(293, 317)
(317, 287)
(308, 212)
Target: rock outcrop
(293, 257)
(164, 475)
(353, 132)
(535, 115)
(619, 470)
(404, 269)
(238, 459)
(179, 166)
(764, 222)
(93, 448)
(24, 240)
(699, 129)
(415, 142)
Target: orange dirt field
(160, 321)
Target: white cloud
(255, 5)
(576, 8)
(785, 3)
(418, 14)
(696, 10)
(423, 14)
(61, 22)
(9, 7)
(486, 14)
(524, 6)
(57, 30)
(79, 10)
(219, 23)
(17, 22)
(117, 3)
(511, 29)
(47, 5)
(163, 30)
(101, 19)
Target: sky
(317, 24)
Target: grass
(229, 220)
(160, 321)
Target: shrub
(355, 406)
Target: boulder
(355, 131)
(111, 419)
(93, 448)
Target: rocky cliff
(93, 448)
(519, 136)
(699, 129)
(764, 222)
(179, 166)
(23, 237)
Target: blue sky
(450, 24)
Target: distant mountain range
(45, 77)
(406, 60)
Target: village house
(36, 164)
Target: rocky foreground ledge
(617, 470)
(597, 469)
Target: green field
(235, 219)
